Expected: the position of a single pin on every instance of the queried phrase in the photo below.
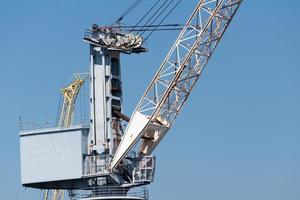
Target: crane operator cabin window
(115, 67)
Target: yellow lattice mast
(69, 94)
(54, 195)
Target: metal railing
(140, 193)
(95, 164)
(28, 125)
(88, 34)
(144, 171)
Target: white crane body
(112, 162)
(172, 84)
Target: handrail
(28, 125)
(109, 191)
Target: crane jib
(172, 84)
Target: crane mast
(100, 160)
(70, 94)
(54, 195)
(176, 77)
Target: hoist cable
(163, 29)
(137, 24)
(132, 7)
(160, 14)
(154, 14)
(162, 25)
(178, 2)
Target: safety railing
(138, 193)
(144, 171)
(95, 164)
(28, 125)
(88, 34)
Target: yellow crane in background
(54, 195)
(70, 94)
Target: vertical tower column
(105, 99)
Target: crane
(54, 195)
(176, 77)
(103, 160)
(69, 94)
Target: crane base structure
(99, 159)
(77, 157)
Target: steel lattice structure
(100, 160)
(182, 67)
(54, 195)
(70, 94)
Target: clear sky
(238, 136)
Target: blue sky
(237, 137)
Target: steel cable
(154, 14)
(147, 37)
(148, 12)
(160, 14)
(131, 8)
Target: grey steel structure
(100, 160)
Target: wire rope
(148, 12)
(159, 15)
(147, 37)
(154, 14)
(130, 9)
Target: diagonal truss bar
(176, 77)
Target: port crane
(172, 84)
(113, 163)
(70, 94)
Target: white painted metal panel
(99, 99)
(52, 154)
(137, 124)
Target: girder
(172, 84)
(70, 94)
(54, 195)
(180, 70)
